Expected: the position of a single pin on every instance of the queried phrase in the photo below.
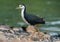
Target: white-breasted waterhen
(30, 19)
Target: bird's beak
(17, 8)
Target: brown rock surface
(35, 36)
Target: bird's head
(21, 7)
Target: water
(53, 23)
(51, 29)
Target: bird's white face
(21, 7)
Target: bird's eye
(21, 5)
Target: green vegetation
(48, 9)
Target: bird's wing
(32, 18)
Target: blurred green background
(48, 9)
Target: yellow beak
(17, 8)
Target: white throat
(22, 14)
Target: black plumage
(33, 20)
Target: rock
(32, 35)
(2, 37)
(37, 34)
(15, 40)
(31, 29)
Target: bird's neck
(23, 11)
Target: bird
(30, 19)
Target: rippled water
(53, 23)
(53, 29)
